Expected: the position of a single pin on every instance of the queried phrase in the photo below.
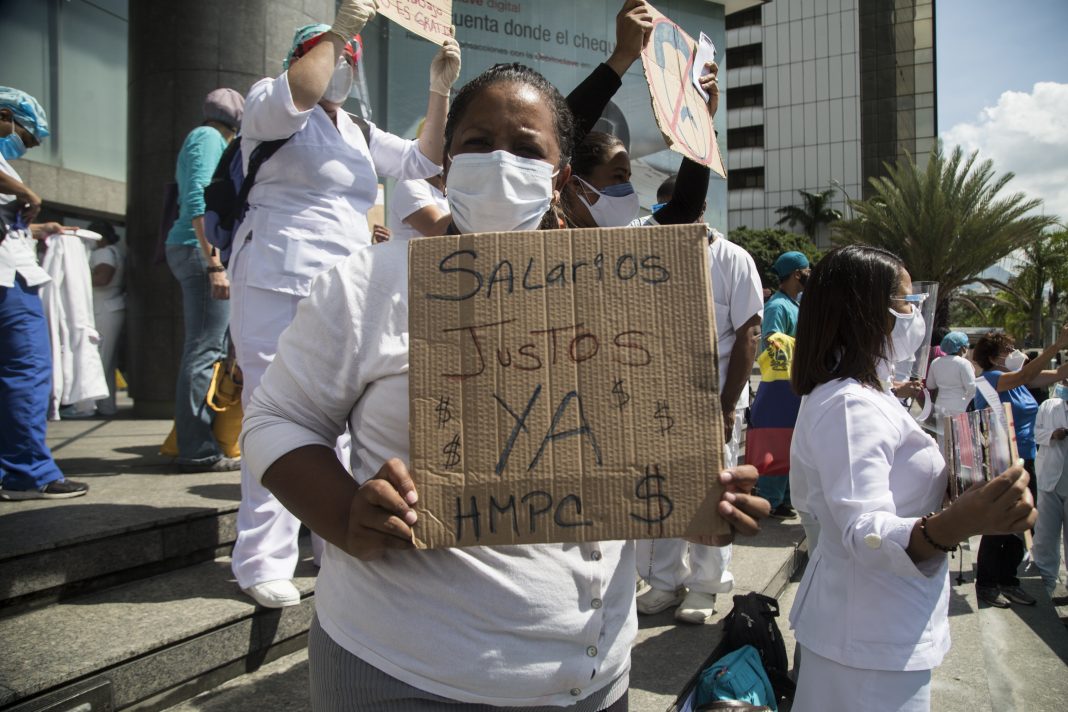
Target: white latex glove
(351, 16)
(445, 68)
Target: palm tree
(948, 222)
(814, 212)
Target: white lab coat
(1049, 463)
(308, 211)
(954, 377)
(871, 473)
(77, 372)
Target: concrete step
(139, 519)
(1001, 659)
(150, 643)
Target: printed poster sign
(563, 386)
(430, 19)
(681, 112)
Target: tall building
(822, 93)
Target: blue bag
(736, 676)
(226, 196)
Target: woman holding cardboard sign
(872, 609)
(527, 627)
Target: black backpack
(752, 622)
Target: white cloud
(1026, 133)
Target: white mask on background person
(1015, 361)
(907, 336)
(337, 91)
(498, 191)
(616, 206)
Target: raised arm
(687, 203)
(1033, 374)
(309, 77)
(588, 100)
(444, 71)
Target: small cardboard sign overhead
(681, 112)
(431, 19)
(563, 386)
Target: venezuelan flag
(774, 410)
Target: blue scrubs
(25, 385)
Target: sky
(1003, 90)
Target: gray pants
(342, 682)
(1051, 528)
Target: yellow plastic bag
(224, 397)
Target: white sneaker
(274, 594)
(696, 607)
(654, 600)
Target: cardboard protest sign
(681, 112)
(431, 19)
(563, 386)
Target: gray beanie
(225, 106)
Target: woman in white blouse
(871, 611)
(525, 627)
(307, 212)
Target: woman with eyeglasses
(871, 614)
(1006, 374)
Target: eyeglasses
(912, 298)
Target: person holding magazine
(871, 613)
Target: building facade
(822, 93)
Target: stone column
(179, 51)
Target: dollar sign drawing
(664, 421)
(452, 452)
(622, 397)
(442, 409)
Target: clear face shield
(357, 102)
(924, 299)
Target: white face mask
(907, 336)
(616, 206)
(1015, 361)
(337, 91)
(498, 191)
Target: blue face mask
(12, 146)
(1061, 391)
(619, 190)
(657, 206)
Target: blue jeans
(25, 385)
(206, 320)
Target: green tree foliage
(766, 245)
(814, 211)
(1029, 301)
(948, 222)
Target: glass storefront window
(71, 55)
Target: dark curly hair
(515, 73)
(989, 347)
(592, 151)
